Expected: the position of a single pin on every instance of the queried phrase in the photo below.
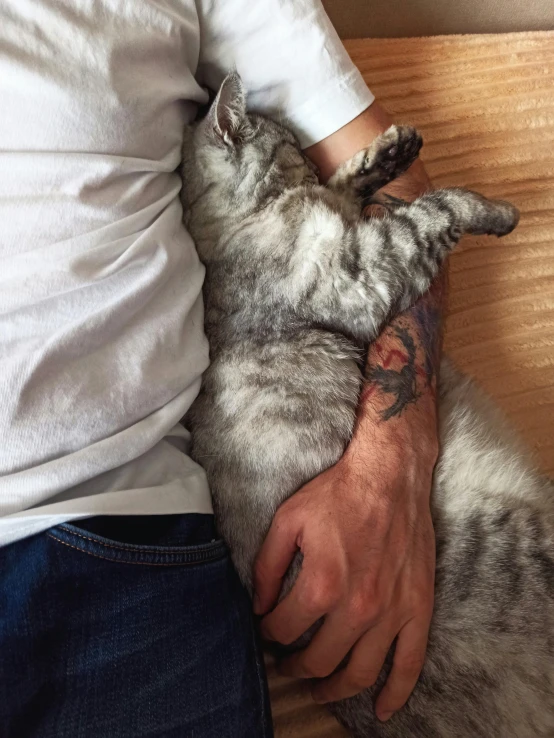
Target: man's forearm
(403, 363)
(398, 401)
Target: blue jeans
(128, 628)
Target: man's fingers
(408, 661)
(327, 649)
(314, 594)
(273, 560)
(293, 616)
(363, 668)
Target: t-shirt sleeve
(290, 58)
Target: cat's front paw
(370, 169)
(392, 153)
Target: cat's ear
(227, 115)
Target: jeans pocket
(186, 540)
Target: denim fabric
(128, 628)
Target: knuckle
(318, 599)
(316, 670)
(410, 666)
(322, 594)
(281, 519)
(362, 678)
(362, 610)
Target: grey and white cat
(297, 286)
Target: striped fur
(297, 285)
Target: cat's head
(240, 158)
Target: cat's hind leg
(442, 217)
(385, 159)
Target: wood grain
(485, 106)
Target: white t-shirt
(101, 324)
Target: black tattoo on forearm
(402, 384)
(417, 347)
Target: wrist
(409, 440)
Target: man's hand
(364, 528)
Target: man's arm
(364, 526)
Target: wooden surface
(485, 106)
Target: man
(120, 613)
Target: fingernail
(384, 716)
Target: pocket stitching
(262, 682)
(125, 561)
(178, 550)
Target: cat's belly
(265, 423)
